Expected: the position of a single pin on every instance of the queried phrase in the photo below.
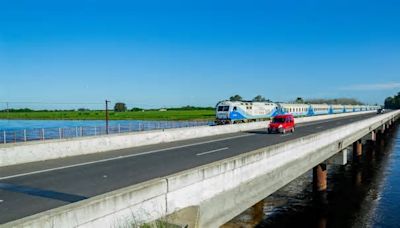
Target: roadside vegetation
(393, 102)
(183, 113)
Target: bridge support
(319, 177)
(339, 158)
(383, 129)
(258, 212)
(357, 149)
(373, 136)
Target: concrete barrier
(19, 153)
(121, 208)
(213, 193)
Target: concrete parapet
(122, 207)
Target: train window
(226, 108)
(234, 108)
(220, 108)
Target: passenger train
(248, 111)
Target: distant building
(162, 110)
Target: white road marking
(314, 123)
(1, 201)
(122, 157)
(318, 127)
(212, 151)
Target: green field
(207, 114)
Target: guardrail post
(119, 128)
(81, 131)
(43, 134)
(95, 130)
(24, 135)
(76, 131)
(59, 133)
(4, 137)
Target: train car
(336, 109)
(320, 109)
(244, 111)
(348, 108)
(356, 108)
(248, 111)
(296, 109)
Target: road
(35, 187)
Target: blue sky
(174, 53)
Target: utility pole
(107, 116)
(8, 111)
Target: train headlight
(280, 126)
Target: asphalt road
(35, 187)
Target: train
(228, 112)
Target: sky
(174, 53)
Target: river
(30, 130)
(360, 194)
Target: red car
(282, 124)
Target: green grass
(207, 114)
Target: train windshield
(278, 120)
(223, 108)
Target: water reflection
(354, 198)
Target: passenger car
(282, 124)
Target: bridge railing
(36, 134)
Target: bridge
(200, 177)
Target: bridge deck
(31, 188)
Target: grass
(159, 224)
(207, 114)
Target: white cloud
(379, 86)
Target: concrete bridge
(183, 179)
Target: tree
(119, 107)
(299, 100)
(259, 98)
(136, 109)
(342, 101)
(393, 102)
(236, 98)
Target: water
(11, 125)
(30, 130)
(363, 194)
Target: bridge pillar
(373, 135)
(258, 212)
(383, 129)
(319, 177)
(357, 149)
(339, 158)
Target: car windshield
(278, 120)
